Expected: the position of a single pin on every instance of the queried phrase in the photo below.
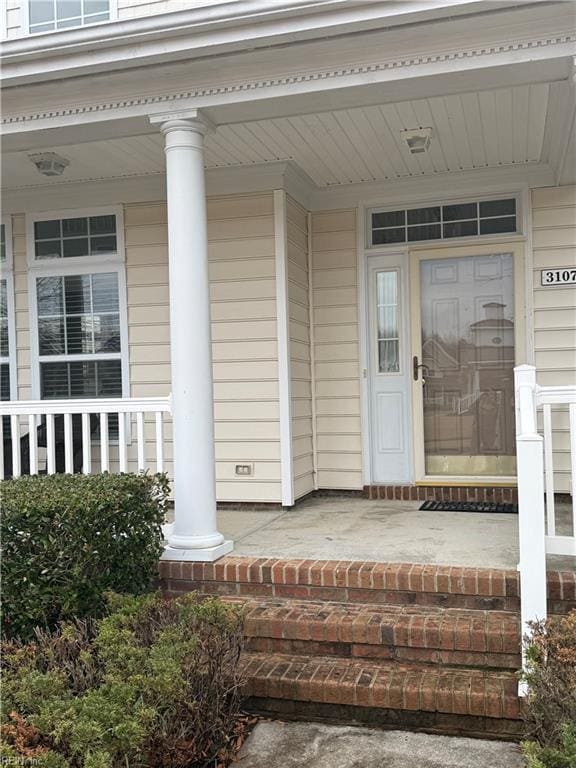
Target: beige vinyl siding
(336, 349)
(243, 296)
(554, 245)
(299, 328)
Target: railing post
(531, 528)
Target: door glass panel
(387, 314)
(467, 310)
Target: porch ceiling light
(49, 163)
(417, 140)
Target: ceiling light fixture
(417, 140)
(49, 163)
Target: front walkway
(344, 528)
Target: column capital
(193, 120)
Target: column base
(202, 555)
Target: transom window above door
(51, 15)
(443, 222)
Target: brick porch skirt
(498, 495)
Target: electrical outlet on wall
(244, 469)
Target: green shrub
(550, 707)
(66, 539)
(154, 683)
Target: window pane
(78, 294)
(107, 333)
(389, 219)
(460, 228)
(79, 335)
(3, 299)
(102, 225)
(498, 207)
(74, 227)
(105, 292)
(4, 348)
(430, 232)
(494, 226)
(66, 9)
(424, 215)
(4, 381)
(387, 323)
(103, 244)
(41, 11)
(96, 6)
(44, 230)
(49, 296)
(388, 357)
(76, 247)
(387, 288)
(2, 242)
(462, 211)
(51, 336)
(385, 236)
(54, 381)
(109, 378)
(49, 249)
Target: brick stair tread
(330, 680)
(452, 629)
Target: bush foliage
(66, 539)
(550, 712)
(153, 684)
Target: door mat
(469, 506)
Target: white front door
(389, 369)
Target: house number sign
(558, 276)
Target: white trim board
(283, 325)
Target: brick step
(470, 701)
(363, 582)
(449, 637)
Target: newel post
(194, 535)
(531, 525)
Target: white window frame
(112, 14)
(80, 265)
(439, 202)
(7, 273)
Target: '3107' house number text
(558, 276)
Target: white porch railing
(100, 435)
(538, 523)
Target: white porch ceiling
(473, 130)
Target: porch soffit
(371, 65)
(522, 126)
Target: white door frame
(363, 251)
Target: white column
(194, 535)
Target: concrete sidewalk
(311, 745)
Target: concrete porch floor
(347, 528)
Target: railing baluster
(68, 444)
(549, 470)
(50, 445)
(33, 444)
(15, 434)
(122, 442)
(104, 453)
(573, 463)
(140, 439)
(86, 444)
(159, 442)
(1, 447)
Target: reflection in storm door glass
(467, 310)
(387, 318)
